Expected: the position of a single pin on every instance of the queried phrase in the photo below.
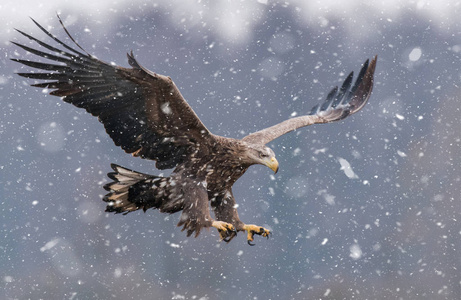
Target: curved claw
(226, 231)
(252, 230)
(230, 235)
(234, 231)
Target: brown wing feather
(143, 112)
(339, 104)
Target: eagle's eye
(263, 155)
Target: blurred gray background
(365, 208)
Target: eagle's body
(146, 115)
(213, 173)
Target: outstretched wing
(143, 112)
(339, 104)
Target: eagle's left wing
(338, 105)
(143, 112)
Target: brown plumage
(146, 115)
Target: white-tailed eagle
(146, 115)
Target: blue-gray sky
(366, 208)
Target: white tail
(129, 191)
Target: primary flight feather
(145, 114)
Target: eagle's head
(263, 155)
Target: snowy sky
(366, 207)
(234, 19)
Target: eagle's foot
(252, 230)
(226, 230)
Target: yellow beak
(272, 163)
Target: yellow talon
(252, 230)
(226, 230)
